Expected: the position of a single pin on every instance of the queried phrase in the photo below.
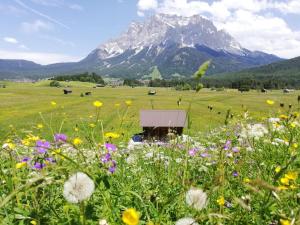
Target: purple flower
(112, 169)
(39, 166)
(227, 145)
(192, 152)
(106, 158)
(25, 159)
(110, 147)
(204, 155)
(60, 137)
(235, 174)
(42, 146)
(50, 160)
(235, 149)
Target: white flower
(79, 187)
(196, 198)
(186, 221)
(274, 120)
(103, 222)
(254, 131)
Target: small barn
(157, 124)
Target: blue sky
(48, 31)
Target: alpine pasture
(67, 159)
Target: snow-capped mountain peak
(163, 28)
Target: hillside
(276, 75)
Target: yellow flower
(221, 201)
(117, 105)
(76, 129)
(97, 104)
(246, 180)
(131, 217)
(20, 165)
(284, 181)
(291, 175)
(281, 187)
(283, 117)
(92, 125)
(295, 145)
(278, 169)
(270, 102)
(56, 151)
(77, 141)
(39, 126)
(33, 222)
(128, 102)
(26, 142)
(53, 103)
(285, 222)
(293, 186)
(111, 135)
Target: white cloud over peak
(10, 40)
(256, 24)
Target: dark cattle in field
(88, 93)
(66, 91)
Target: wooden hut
(157, 124)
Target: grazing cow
(67, 91)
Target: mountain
(173, 44)
(275, 75)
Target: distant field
(21, 103)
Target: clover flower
(196, 198)
(186, 221)
(78, 188)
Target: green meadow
(23, 105)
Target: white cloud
(38, 57)
(147, 4)
(10, 40)
(36, 26)
(76, 7)
(248, 21)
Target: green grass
(21, 103)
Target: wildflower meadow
(242, 172)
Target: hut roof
(162, 118)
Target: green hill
(283, 74)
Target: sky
(50, 31)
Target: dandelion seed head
(79, 187)
(186, 221)
(196, 198)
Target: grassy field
(246, 172)
(22, 103)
